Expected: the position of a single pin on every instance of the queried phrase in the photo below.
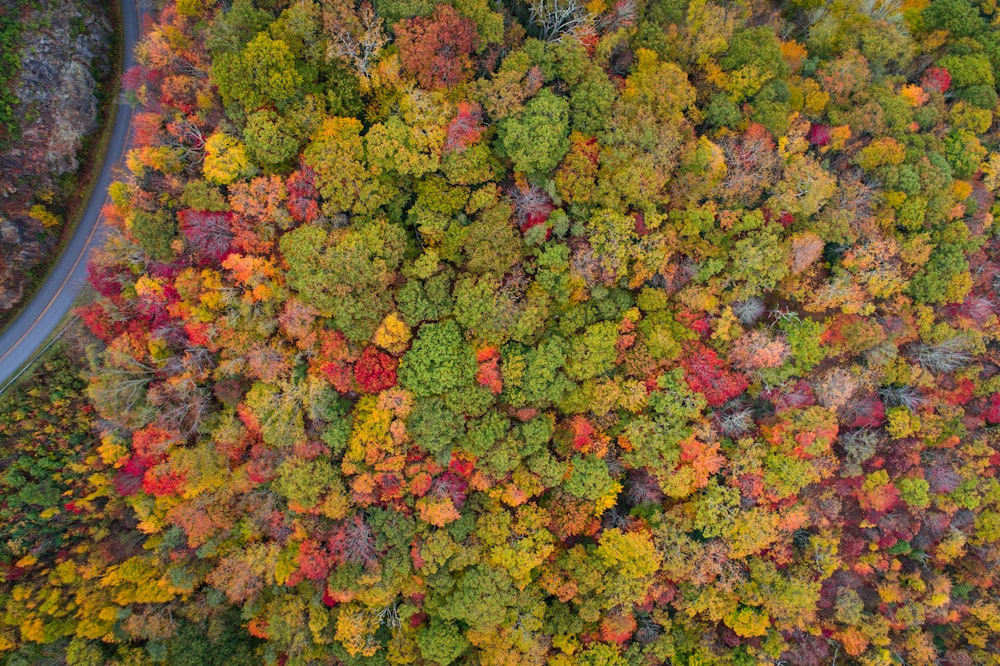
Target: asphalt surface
(22, 339)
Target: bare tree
(560, 18)
(622, 14)
(889, 11)
(647, 630)
(642, 488)
(356, 36)
(946, 356)
(530, 202)
(735, 419)
(859, 446)
(753, 168)
(748, 311)
(354, 542)
(901, 396)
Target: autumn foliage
(561, 334)
(436, 49)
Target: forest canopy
(631, 332)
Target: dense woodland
(653, 332)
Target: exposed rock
(9, 233)
(56, 88)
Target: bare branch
(355, 36)
(560, 18)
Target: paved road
(55, 298)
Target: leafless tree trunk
(355, 36)
(559, 18)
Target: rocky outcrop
(64, 54)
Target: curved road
(55, 298)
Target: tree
(590, 102)
(345, 275)
(482, 598)
(754, 57)
(436, 49)
(656, 90)
(465, 128)
(336, 156)
(269, 139)
(753, 167)
(629, 559)
(225, 160)
(436, 428)
(375, 370)
(757, 350)
(589, 479)
(439, 361)
(355, 35)
(705, 373)
(303, 195)
(155, 233)
(537, 139)
(395, 148)
(557, 19)
(441, 642)
(207, 233)
(943, 278)
(232, 29)
(262, 74)
(593, 352)
(945, 356)
(311, 486)
(959, 17)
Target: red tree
(208, 234)
(465, 128)
(976, 308)
(489, 370)
(105, 279)
(354, 542)
(436, 49)
(151, 444)
(313, 560)
(707, 374)
(162, 481)
(819, 135)
(992, 412)
(936, 79)
(375, 370)
(128, 480)
(867, 413)
(302, 195)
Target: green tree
(262, 74)
(346, 274)
(434, 427)
(589, 479)
(155, 233)
(590, 102)
(483, 598)
(439, 362)
(441, 642)
(537, 139)
(269, 139)
(593, 352)
(231, 30)
(336, 154)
